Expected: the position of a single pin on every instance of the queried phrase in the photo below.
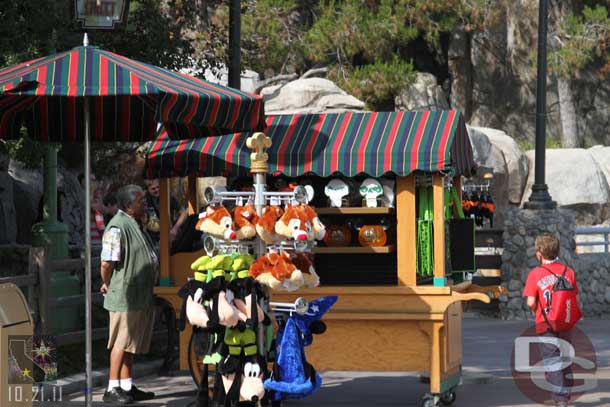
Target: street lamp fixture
(540, 197)
(101, 14)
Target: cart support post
(435, 358)
(406, 239)
(439, 230)
(164, 279)
(193, 205)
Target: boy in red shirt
(538, 291)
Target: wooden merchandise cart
(403, 327)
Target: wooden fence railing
(38, 282)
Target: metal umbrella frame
(47, 95)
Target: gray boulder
(424, 94)
(27, 191)
(576, 181)
(493, 149)
(310, 95)
(601, 155)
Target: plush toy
(293, 376)
(244, 218)
(319, 230)
(275, 270)
(239, 382)
(222, 311)
(247, 292)
(265, 227)
(195, 312)
(294, 224)
(217, 222)
(304, 262)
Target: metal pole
(88, 361)
(540, 197)
(235, 44)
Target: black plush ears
(317, 327)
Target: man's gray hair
(128, 195)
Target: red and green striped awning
(374, 143)
(127, 100)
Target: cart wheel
(448, 398)
(195, 356)
(429, 401)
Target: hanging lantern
(101, 14)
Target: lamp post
(235, 44)
(94, 15)
(540, 197)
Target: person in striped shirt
(97, 212)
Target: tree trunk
(567, 110)
(460, 69)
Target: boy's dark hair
(548, 245)
(81, 177)
(109, 199)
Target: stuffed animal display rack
(228, 298)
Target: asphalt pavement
(486, 381)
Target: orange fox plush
(217, 222)
(277, 272)
(294, 224)
(265, 227)
(304, 262)
(245, 219)
(319, 230)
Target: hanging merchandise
(425, 218)
(488, 207)
(478, 204)
(265, 227)
(217, 222)
(292, 376)
(228, 302)
(244, 218)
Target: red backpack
(563, 309)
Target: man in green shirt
(129, 267)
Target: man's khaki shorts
(131, 330)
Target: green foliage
(379, 83)
(269, 40)
(580, 38)
(159, 32)
(23, 149)
(549, 142)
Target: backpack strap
(549, 270)
(565, 270)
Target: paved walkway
(487, 381)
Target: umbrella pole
(88, 388)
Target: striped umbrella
(127, 100)
(88, 93)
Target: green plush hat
(200, 263)
(216, 262)
(239, 263)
